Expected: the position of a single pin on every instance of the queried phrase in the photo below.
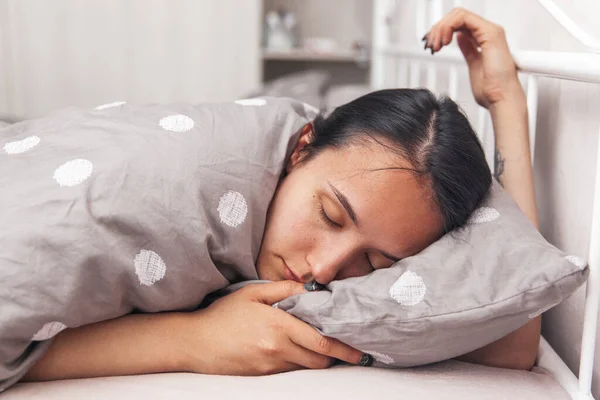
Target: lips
(287, 272)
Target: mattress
(452, 380)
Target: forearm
(512, 157)
(514, 171)
(133, 344)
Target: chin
(265, 274)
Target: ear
(306, 137)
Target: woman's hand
(242, 334)
(492, 69)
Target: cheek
(294, 222)
(299, 224)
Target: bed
(394, 66)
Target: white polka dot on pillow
(577, 261)
(483, 214)
(409, 289)
(382, 358)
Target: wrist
(512, 100)
(180, 342)
(192, 343)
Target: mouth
(288, 273)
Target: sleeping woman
(329, 220)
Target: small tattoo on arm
(498, 166)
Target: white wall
(72, 52)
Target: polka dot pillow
(131, 208)
(466, 290)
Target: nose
(327, 261)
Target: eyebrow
(346, 204)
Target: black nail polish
(425, 37)
(366, 360)
(431, 50)
(313, 286)
(425, 47)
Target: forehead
(394, 206)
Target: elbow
(518, 350)
(524, 361)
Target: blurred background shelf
(306, 55)
(347, 23)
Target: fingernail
(431, 50)
(366, 360)
(425, 37)
(424, 47)
(313, 286)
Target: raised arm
(495, 85)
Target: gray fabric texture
(131, 208)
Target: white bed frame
(407, 63)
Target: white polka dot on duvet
(21, 146)
(73, 172)
(251, 102)
(149, 267)
(176, 123)
(48, 331)
(232, 208)
(110, 105)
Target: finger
(434, 38)
(468, 48)
(308, 358)
(445, 36)
(428, 40)
(461, 19)
(270, 293)
(309, 338)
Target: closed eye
(326, 218)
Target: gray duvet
(131, 208)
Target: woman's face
(344, 213)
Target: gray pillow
(131, 208)
(466, 290)
(307, 86)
